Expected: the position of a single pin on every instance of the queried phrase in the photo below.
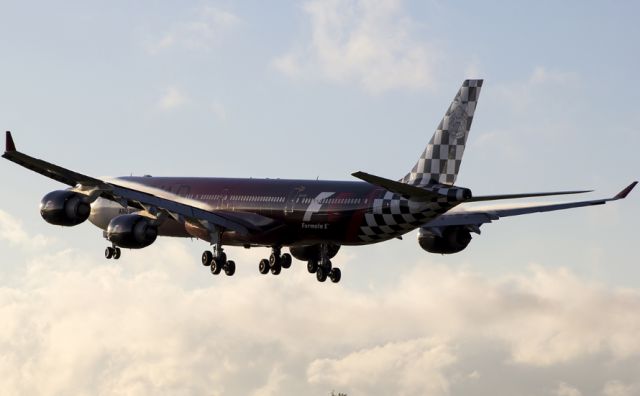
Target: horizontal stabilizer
(406, 190)
(415, 193)
(525, 195)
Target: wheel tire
(326, 264)
(223, 256)
(216, 265)
(335, 275)
(275, 270)
(207, 258)
(285, 261)
(264, 266)
(312, 266)
(273, 260)
(321, 274)
(230, 268)
(108, 253)
(116, 253)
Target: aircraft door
(292, 199)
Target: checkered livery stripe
(440, 161)
(393, 215)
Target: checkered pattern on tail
(440, 161)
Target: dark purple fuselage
(303, 211)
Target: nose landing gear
(112, 252)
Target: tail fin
(440, 161)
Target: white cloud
(273, 385)
(12, 231)
(157, 322)
(408, 368)
(564, 389)
(205, 30)
(363, 41)
(617, 388)
(172, 98)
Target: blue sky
(325, 88)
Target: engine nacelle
(453, 240)
(312, 252)
(132, 231)
(64, 208)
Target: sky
(545, 304)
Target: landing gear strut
(276, 262)
(217, 260)
(323, 267)
(112, 252)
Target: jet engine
(312, 252)
(64, 208)
(132, 231)
(450, 240)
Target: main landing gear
(218, 262)
(323, 267)
(320, 265)
(112, 252)
(276, 262)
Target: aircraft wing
(141, 197)
(475, 217)
(416, 193)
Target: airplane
(312, 218)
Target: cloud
(12, 231)
(566, 390)
(367, 42)
(409, 367)
(617, 388)
(172, 98)
(202, 32)
(156, 321)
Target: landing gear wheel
(321, 274)
(116, 253)
(216, 265)
(274, 259)
(230, 268)
(335, 275)
(222, 256)
(275, 269)
(108, 253)
(264, 266)
(285, 261)
(312, 266)
(207, 258)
